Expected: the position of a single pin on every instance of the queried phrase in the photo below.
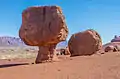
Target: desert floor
(105, 66)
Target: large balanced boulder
(85, 43)
(43, 26)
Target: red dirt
(106, 66)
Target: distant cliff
(116, 39)
(11, 41)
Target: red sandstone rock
(43, 26)
(111, 49)
(45, 53)
(85, 43)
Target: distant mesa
(116, 39)
(10, 41)
(14, 41)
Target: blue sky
(101, 15)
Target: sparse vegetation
(17, 52)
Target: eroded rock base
(46, 54)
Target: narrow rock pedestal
(46, 53)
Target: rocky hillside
(10, 41)
(116, 39)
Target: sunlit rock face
(43, 26)
(85, 43)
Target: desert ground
(18, 52)
(97, 66)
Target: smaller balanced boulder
(85, 43)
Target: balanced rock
(43, 26)
(85, 43)
(117, 47)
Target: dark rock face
(11, 41)
(85, 43)
(116, 39)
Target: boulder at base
(85, 43)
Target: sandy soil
(17, 52)
(106, 66)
